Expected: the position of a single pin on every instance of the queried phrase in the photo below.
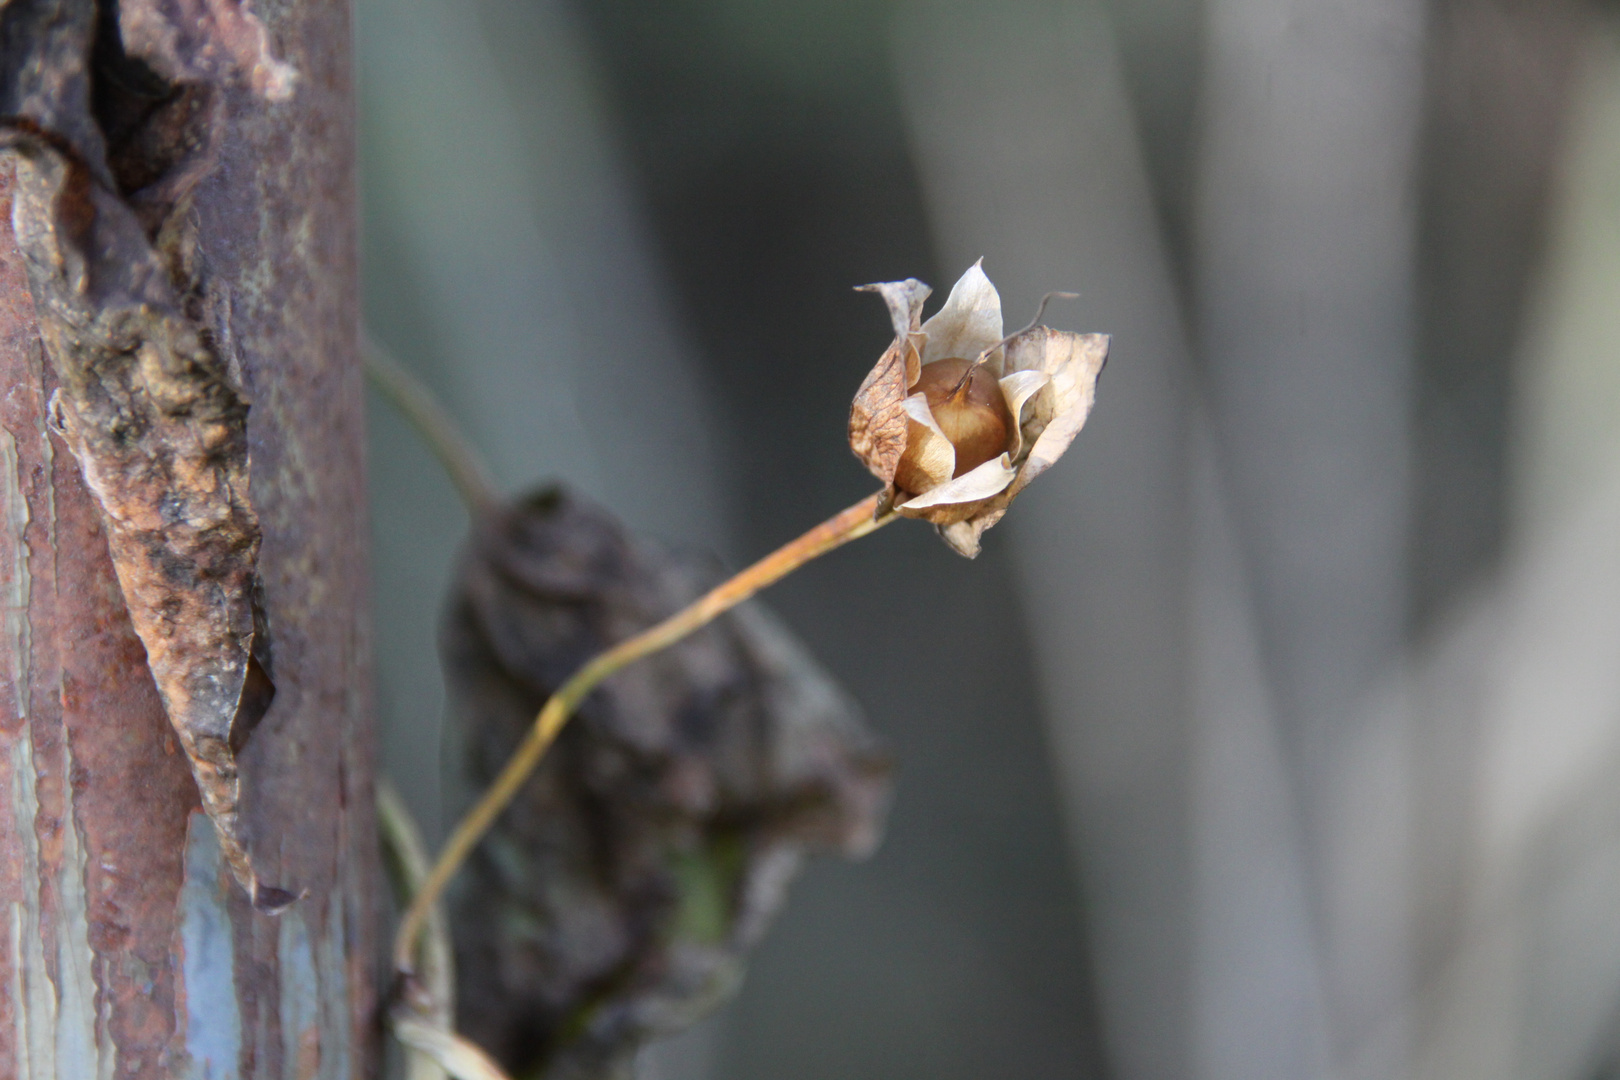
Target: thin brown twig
(421, 1013)
(466, 466)
(1033, 323)
(407, 862)
(866, 516)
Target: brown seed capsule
(956, 481)
(971, 412)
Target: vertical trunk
(127, 948)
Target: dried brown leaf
(615, 900)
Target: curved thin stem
(467, 469)
(420, 1014)
(866, 516)
(407, 861)
(403, 841)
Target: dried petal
(1073, 361)
(1018, 388)
(956, 499)
(962, 537)
(1053, 416)
(905, 303)
(968, 324)
(877, 420)
(930, 459)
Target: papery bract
(936, 471)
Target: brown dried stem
(868, 515)
(420, 1015)
(406, 857)
(467, 469)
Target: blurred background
(1276, 734)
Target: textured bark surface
(127, 949)
(110, 134)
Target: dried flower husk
(1047, 379)
(615, 900)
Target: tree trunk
(127, 948)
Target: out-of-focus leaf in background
(616, 899)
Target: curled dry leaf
(615, 900)
(144, 401)
(957, 420)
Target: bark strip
(107, 154)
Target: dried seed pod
(950, 453)
(970, 409)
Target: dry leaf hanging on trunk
(109, 146)
(615, 899)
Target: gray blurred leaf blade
(616, 900)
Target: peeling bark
(144, 401)
(176, 245)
